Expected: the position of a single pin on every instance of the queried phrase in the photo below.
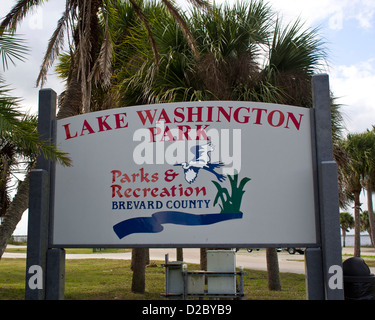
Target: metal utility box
(195, 282)
(222, 262)
(221, 278)
(174, 278)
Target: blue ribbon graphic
(154, 223)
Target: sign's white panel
(193, 173)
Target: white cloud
(335, 11)
(354, 86)
(365, 16)
(336, 21)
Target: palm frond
(101, 70)
(21, 131)
(11, 48)
(55, 45)
(202, 4)
(184, 27)
(296, 49)
(18, 13)
(337, 121)
(63, 66)
(143, 18)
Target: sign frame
(320, 255)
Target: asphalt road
(255, 260)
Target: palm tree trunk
(203, 258)
(76, 99)
(273, 270)
(179, 254)
(138, 265)
(357, 225)
(371, 214)
(14, 213)
(71, 99)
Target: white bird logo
(201, 161)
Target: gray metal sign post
(319, 261)
(45, 266)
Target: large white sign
(186, 174)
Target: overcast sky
(347, 26)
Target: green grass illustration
(230, 203)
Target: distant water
(349, 240)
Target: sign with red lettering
(198, 174)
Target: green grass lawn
(103, 279)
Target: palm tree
(19, 146)
(90, 61)
(365, 225)
(80, 19)
(227, 41)
(245, 54)
(368, 179)
(339, 154)
(354, 170)
(360, 174)
(353, 185)
(346, 223)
